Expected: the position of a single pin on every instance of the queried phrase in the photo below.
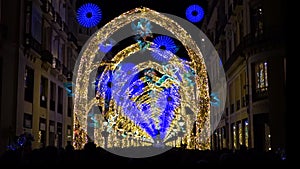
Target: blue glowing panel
(214, 100)
(104, 86)
(171, 100)
(194, 13)
(164, 43)
(89, 15)
(107, 46)
(68, 86)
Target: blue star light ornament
(194, 13)
(89, 15)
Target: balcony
(32, 43)
(70, 76)
(72, 38)
(58, 65)
(57, 19)
(47, 8)
(260, 94)
(247, 43)
(47, 57)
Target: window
(240, 134)
(47, 38)
(55, 44)
(234, 136)
(261, 79)
(70, 104)
(43, 92)
(69, 132)
(224, 143)
(51, 133)
(59, 134)
(246, 132)
(36, 23)
(60, 100)
(52, 95)
(27, 121)
(257, 20)
(238, 105)
(28, 84)
(43, 131)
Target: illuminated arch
(86, 64)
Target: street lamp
(181, 123)
(175, 133)
(104, 133)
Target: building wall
(253, 59)
(39, 41)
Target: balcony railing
(72, 38)
(47, 57)
(31, 42)
(47, 7)
(248, 41)
(57, 19)
(260, 93)
(58, 65)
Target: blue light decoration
(89, 15)
(171, 100)
(94, 122)
(143, 28)
(163, 43)
(23, 140)
(68, 87)
(107, 46)
(104, 86)
(142, 31)
(189, 75)
(214, 100)
(194, 13)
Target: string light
(199, 103)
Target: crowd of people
(93, 155)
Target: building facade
(249, 37)
(38, 52)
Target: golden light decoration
(118, 122)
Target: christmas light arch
(112, 117)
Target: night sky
(113, 8)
